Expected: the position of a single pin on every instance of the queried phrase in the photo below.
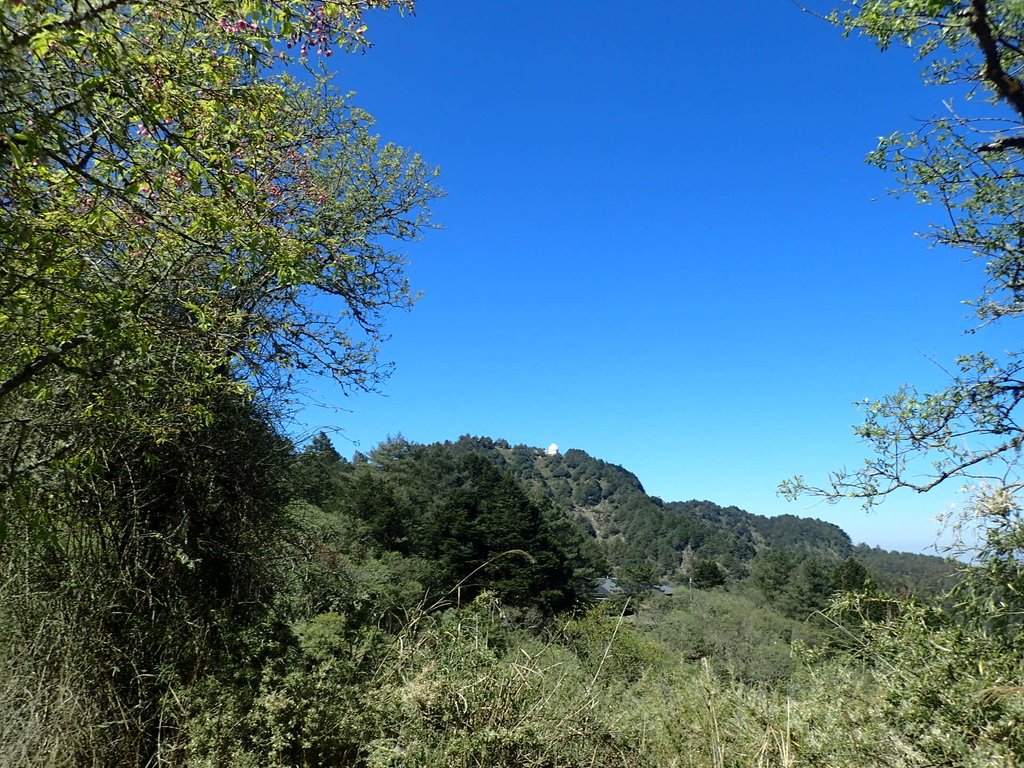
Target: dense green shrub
(463, 688)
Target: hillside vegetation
(634, 529)
(421, 606)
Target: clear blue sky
(661, 244)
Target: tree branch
(1006, 85)
(72, 22)
(51, 357)
(1001, 145)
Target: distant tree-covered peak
(606, 504)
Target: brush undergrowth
(468, 687)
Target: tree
(168, 207)
(183, 229)
(587, 493)
(707, 573)
(851, 576)
(637, 577)
(317, 471)
(486, 533)
(147, 569)
(950, 672)
(322, 448)
(771, 572)
(809, 589)
(369, 498)
(969, 165)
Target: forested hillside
(420, 605)
(671, 538)
(454, 518)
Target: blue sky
(661, 244)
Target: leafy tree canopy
(183, 229)
(951, 673)
(170, 201)
(967, 162)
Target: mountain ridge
(633, 527)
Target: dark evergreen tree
(369, 497)
(316, 474)
(809, 589)
(851, 576)
(771, 572)
(707, 573)
(487, 533)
